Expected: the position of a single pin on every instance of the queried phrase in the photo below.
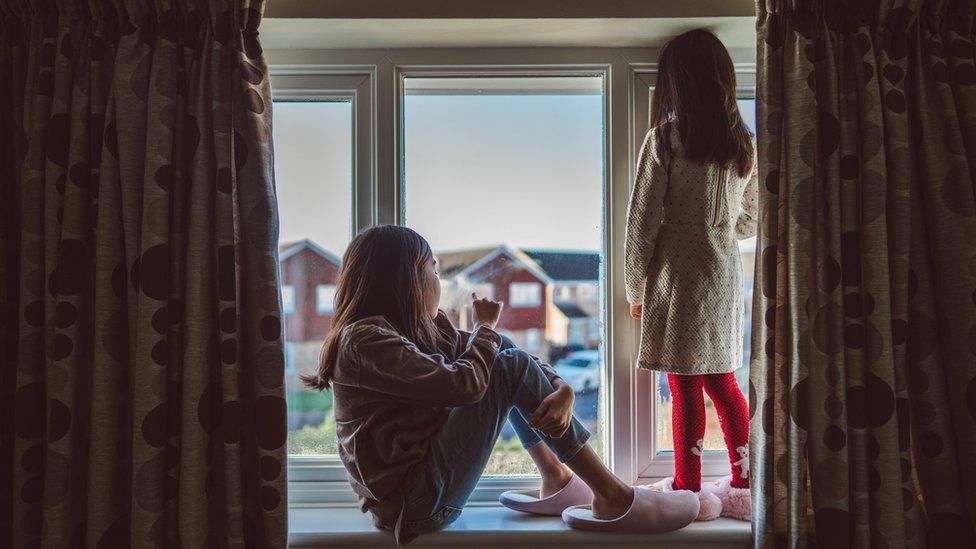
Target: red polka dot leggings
(688, 426)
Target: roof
(571, 310)
(563, 265)
(288, 249)
(452, 264)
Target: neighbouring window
(588, 291)
(525, 294)
(313, 178)
(324, 299)
(564, 293)
(576, 331)
(594, 329)
(287, 299)
(487, 162)
(533, 339)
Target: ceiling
(505, 9)
(737, 32)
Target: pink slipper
(576, 492)
(651, 512)
(710, 506)
(736, 502)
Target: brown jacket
(391, 398)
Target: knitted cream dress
(682, 259)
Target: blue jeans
(460, 450)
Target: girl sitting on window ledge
(419, 405)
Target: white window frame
(533, 340)
(373, 79)
(288, 306)
(328, 307)
(523, 303)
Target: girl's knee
(514, 362)
(507, 342)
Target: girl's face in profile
(432, 287)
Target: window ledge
(496, 526)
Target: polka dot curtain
(141, 398)
(864, 343)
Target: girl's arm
(389, 363)
(644, 216)
(746, 223)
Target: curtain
(141, 398)
(863, 378)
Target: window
(564, 293)
(313, 177)
(509, 131)
(588, 291)
(524, 294)
(287, 299)
(324, 299)
(576, 331)
(508, 144)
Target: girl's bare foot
(554, 481)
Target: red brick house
(574, 318)
(308, 277)
(504, 274)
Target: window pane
(662, 396)
(325, 298)
(287, 299)
(504, 177)
(313, 177)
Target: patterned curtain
(141, 399)
(864, 370)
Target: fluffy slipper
(651, 512)
(709, 505)
(576, 492)
(736, 502)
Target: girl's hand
(636, 311)
(486, 311)
(555, 413)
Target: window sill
(486, 526)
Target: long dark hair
(696, 89)
(381, 274)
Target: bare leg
(611, 497)
(554, 474)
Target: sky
(525, 170)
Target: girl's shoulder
(365, 328)
(661, 142)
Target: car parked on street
(581, 370)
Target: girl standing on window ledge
(695, 195)
(419, 404)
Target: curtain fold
(142, 380)
(863, 378)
